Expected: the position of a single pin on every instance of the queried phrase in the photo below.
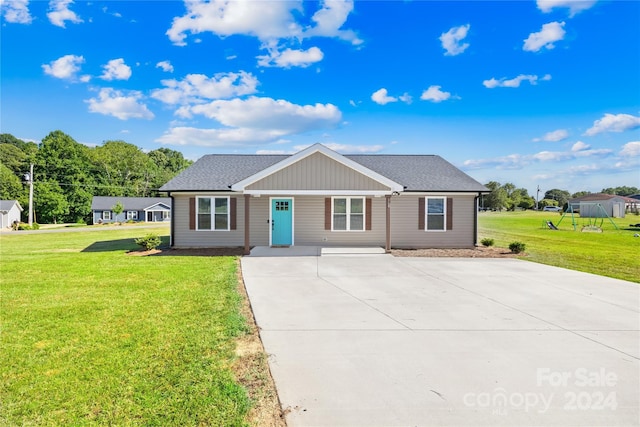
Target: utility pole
(29, 177)
(537, 197)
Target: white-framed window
(106, 215)
(212, 213)
(347, 214)
(132, 214)
(435, 213)
(165, 214)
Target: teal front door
(281, 222)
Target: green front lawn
(613, 253)
(93, 336)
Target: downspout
(172, 222)
(475, 221)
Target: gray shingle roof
(6, 205)
(416, 172)
(100, 203)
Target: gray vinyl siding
(309, 225)
(317, 172)
(404, 224)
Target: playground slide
(551, 226)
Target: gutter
(173, 224)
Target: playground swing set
(592, 216)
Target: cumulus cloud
(198, 88)
(290, 58)
(574, 6)
(382, 97)
(60, 13)
(116, 69)
(452, 40)
(251, 121)
(613, 123)
(16, 11)
(631, 149)
(166, 66)
(264, 20)
(434, 94)
(124, 106)
(514, 82)
(329, 20)
(65, 67)
(545, 38)
(406, 98)
(554, 136)
(519, 161)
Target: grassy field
(613, 253)
(93, 336)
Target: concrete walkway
(383, 341)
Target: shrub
(149, 242)
(25, 226)
(487, 242)
(517, 247)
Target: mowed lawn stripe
(93, 336)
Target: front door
(281, 222)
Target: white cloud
(452, 40)
(330, 18)
(166, 66)
(264, 20)
(290, 58)
(64, 67)
(116, 69)
(406, 98)
(554, 136)
(511, 161)
(613, 123)
(434, 94)
(198, 88)
(124, 106)
(253, 121)
(381, 97)
(631, 149)
(16, 11)
(545, 38)
(60, 13)
(514, 82)
(580, 146)
(574, 6)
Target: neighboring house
(10, 211)
(138, 209)
(600, 205)
(318, 197)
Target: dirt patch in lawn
(479, 252)
(190, 252)
(252, 370)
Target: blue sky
(535, 93)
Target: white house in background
(10, 211)
(318, 197)
(600, 205)
(138, 209)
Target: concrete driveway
(382, 341)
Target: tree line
(67, 174)
(507, 196)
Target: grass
(613, 253)
(92, 336)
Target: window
(165, 214)
(213, 213)
(436, 213)
(132, 214)
(348, 214)
(106, 215)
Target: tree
(14, 158)
(560, 196)
(10, 185)
(497, 199)
(124, 169)
(580, 194)
(621, 191)
(51, 203)
(117, 209)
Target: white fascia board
(166, 207)
(317, 192)
(316, 148)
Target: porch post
(247, 200)
(387, 246)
